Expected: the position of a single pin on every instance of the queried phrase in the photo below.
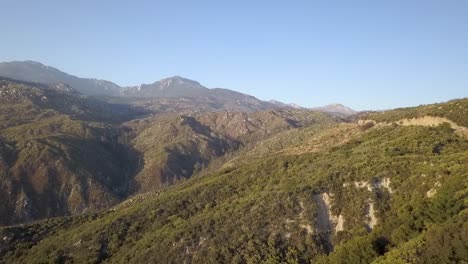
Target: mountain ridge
(167, 89)
(33, 71)
(173, 87)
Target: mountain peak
(336, 108)
(31, 62)
(177, 80)
(336, 105)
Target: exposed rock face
(385, 183)
(340, 224)
(433, 191)
(363, 184)
(326, 221)
(362, 122)
(376, 184)
(370, 217)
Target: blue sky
(365, 54)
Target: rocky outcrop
(371, 219)
(433, 191)
(385, 183)
(375, 184)
(325, 220)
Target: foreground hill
(382, 190)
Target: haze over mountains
(32, 71)
(169, 88)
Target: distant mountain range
(173, 87)
(162, 94)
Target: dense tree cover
(444, 243)
(259, 211)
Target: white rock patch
(363, 184)
(380, 183)
(385, 183)
(433, 191)
(371, 218)
(339, 224)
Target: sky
(371, 54)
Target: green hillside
(339, 194)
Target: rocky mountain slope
(374, 191)
(64, 153)
(170, 87)
(60, 153)
(175, 146)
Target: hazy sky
(372, 54)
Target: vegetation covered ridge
(386, 194)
